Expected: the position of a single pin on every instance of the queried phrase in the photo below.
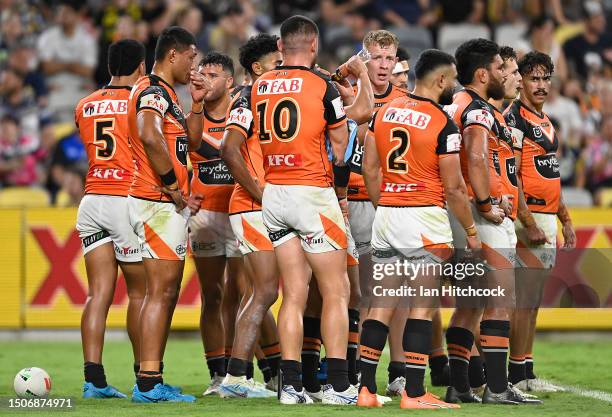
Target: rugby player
(482, 73)
(539, 206)
(411, 163)
(296, 112)
(161, 137)
(399, 74)
(213, 243)
(241, 151)
(103, 220)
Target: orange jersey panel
(153, 94)
(411, 134)
(535, 135)
(102, 120)
(292, 108)
(356, 186)
(211, 177)
(240, 118)
(471, 110)
(507, 162)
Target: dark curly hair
(257, 47)
(506, 53)
(533, 60)
(216, 58)
(472, 55)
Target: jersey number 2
(104, 140)
(395, 157)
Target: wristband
(471, 230)
(198, 112)
(484, 205)
(168, 178)
(341, 175)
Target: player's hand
(346, 91)
(569, 236)
(199, 85)
(343, 202)
(194, 202)
(535, 235)
(495, 215)
(356, 66)
(322, 70)
(473, 243)
(179, 200)
(507, 204)
(259, 196)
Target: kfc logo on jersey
(97, 108)
(289, 160)
(108, 173)
(407, 117)
(280, 86)
(390, 187)
(153, 101)
(241, 117)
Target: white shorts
(352, 254)
(540, 256)
(498, 240)
(415, 233)
(310, 213)
(250, 232)
(210, 233)
(105, 218)
(361, 218)
(161, 231)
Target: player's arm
(198, 87)
(475, 139)
(457, 197)
(370, 168)
(338, 137)
(362, 107)
(230, 152)
(567, 228)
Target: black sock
(273, 357)
(136, 369)
(237, 367)
(337, 374)
(372, 342)
(437, 363)
(476, 372)
(494, 341)
(263, 366)
(353, 345)
(529, 367)
(311, 351)
(396, 370)
(216, 365)
(228, 355)
(292, 372)
(147, 380)
(94, 373)
(416, 343)
(161, 367)
(517, 371)
(459, 343)
(250, 371)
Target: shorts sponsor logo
(390, 187)
(275, 236)
(214, 172)
(289, 160)
(280, 86)
(96, 237)
(96, 108)
(181, 249)
(126, 250)
(407, 117)
(547, 166)
(203, 246)
(312, 241)
(108, 173)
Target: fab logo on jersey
(280, 86)
(407, 117)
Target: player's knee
(265, 296)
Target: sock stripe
(275, 356)
(370, 361)
(517, 362)
(494, 341)
(458, 358)
(271, 350)
(458, 350)
(353, 337)
(415, 358)
(214, 354)
(434, 353)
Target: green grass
(585, 364)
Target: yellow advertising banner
(44, 283)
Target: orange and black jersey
(102, 120)
(240, 118)
(152, 94)
(535, 136)
(211, 177)
(356, 186)
(412, 133)
(469, 110)
(507, 162)
(293, 106)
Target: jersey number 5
(285, 120)
(104, 139)
(395, 157)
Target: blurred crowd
(52, 53)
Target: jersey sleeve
(517, 129)
(449, 139)
(477, 115)
(372, 120)
(240, 116)
(153, 98)
(334, 108)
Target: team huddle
(305, 180)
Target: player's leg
(354, 319)
(236, 286)
(135, 280)
(311, 345)
(438, 360)
(397, 368)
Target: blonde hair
(382, 38)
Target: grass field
(587, 365)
